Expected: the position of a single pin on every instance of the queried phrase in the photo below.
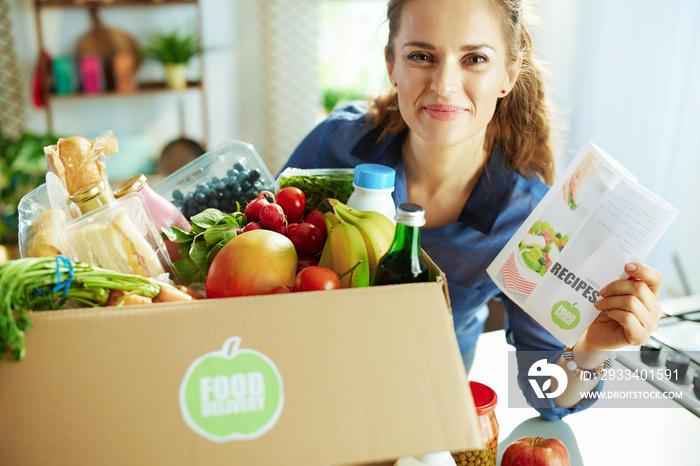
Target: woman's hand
(630, 311)
(572, 186)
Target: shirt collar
(486, 201)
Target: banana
(344, 252)
(377, 217)
(375, 233)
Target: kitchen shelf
(113, 4)
(144, 89)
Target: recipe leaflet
(594, 219)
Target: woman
(466, 128)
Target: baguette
(77, 161)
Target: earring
(503, 91)
(396, 84)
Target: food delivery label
(231, 394)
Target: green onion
(46, 284)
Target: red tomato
(316, 217)
(293, 202)
(316, 278)
(307, 239)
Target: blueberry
(558, 235)
(200, 188)
(214, 180)
(177, 194)
(235, 190)
(254, 174)
(259, 185)
(238, 166)
(200, 197)
(233, 174)
(542, 261)
(242, 176)
(226, 194)
(214, 204)
(229, 173)
(190, 203)
(246, 186)
(201, 207)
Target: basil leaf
(198, 253)
(189, 271)
(207, 218)
(214, 235)
(176, 235)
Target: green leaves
(211, 230)
(171, 47)
(23, 168)
(319, 187)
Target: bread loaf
(77, 161)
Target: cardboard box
(365, 375)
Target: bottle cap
(130, 186)
(374, 176)
(91, 197)
(485, 398)
(410, 214)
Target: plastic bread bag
(39, 224)
(79, 162)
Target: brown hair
(521, 122)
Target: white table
(599, 437)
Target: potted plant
(174, 50)
(23, 169)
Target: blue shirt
(500, 202)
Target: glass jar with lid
(485, 400)
(92, 196)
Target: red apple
(536, 451)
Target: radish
(252, 210)
(272, 216)
(251, 226)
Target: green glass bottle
(404, 262)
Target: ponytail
(521, 123)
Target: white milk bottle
(373, 185)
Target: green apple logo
(232, 394)
(565, 315)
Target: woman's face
(450, 67)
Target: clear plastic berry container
(223, 178)
(485, 400)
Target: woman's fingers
(635, 333)
(634, 303)
(635, 309)
(649, 275)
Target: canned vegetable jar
(485, 401)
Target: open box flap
(368, 374)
